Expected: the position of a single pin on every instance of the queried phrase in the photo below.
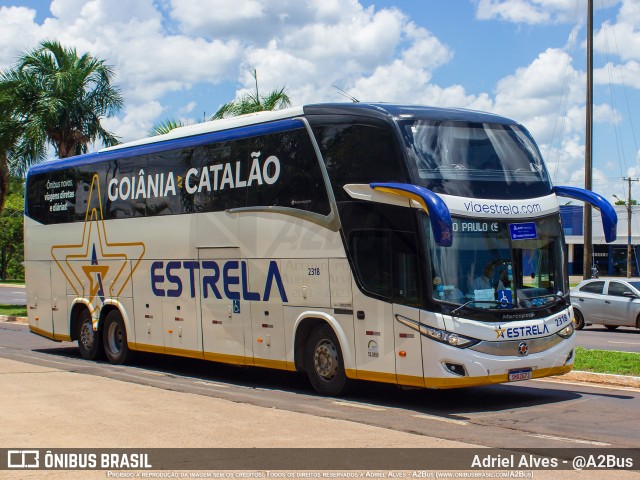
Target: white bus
(410, 245)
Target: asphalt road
(530, 414)
(13, 295)
(624, 339)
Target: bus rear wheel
(89, 341)
(323, 362)
(115, 339)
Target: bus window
(383, 247)
(356, 153)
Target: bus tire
(115, 338)
(578, 319)
(323, 361)
(89, 341)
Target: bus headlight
(567, 331)
(452, 339)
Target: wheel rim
(87, 335)
(325, 359)
(115, 338)
(579, 321)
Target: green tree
(253, 102)
(11, 239)
(53, 96)
(10, 132)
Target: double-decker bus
(410, 245)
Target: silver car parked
(612, 302)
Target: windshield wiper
(457, 310)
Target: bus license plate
(521, 374)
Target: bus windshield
(499, 265)
(473, 159)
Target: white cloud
(18, 33)
(621, 38)
(136, 121)
(535, 12)
(536, 94)
(518, 11)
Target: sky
(524, 59)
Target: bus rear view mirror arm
(607, 212)
(438, 212)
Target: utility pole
(629, 180)
(588, 241)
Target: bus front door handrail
(607, 212)
(439, 215)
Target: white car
(612, 302)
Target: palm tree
(165, 126)
(61, 98)
(11, 131)
(250, 103)
(53, 96)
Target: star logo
(100, 271)
(500, 331)
(96, 261)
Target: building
(610, 259)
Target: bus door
(408, 346)
(387, 265)
(182, 333)
(39, 297)
(266, 291)
(225, 314)
(147, 306)
(374, 343)
(60, 317)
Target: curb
(16, 285)
(7, 318)
(599, 378)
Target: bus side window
(383, 249)
(299, 183)
(371, 251)
(358, 153)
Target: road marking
(442, 419)
(211, 384)
(41, 359)
(360, 405)
(590, 384)
(569, 440)
(625, 343)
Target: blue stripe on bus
(167, 145)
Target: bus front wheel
(323, 362)
(115, 339)
(89, 342)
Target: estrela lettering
(229, 279)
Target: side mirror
(630, 295)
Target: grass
(13, 310)
(13, 282)
(604, 361)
